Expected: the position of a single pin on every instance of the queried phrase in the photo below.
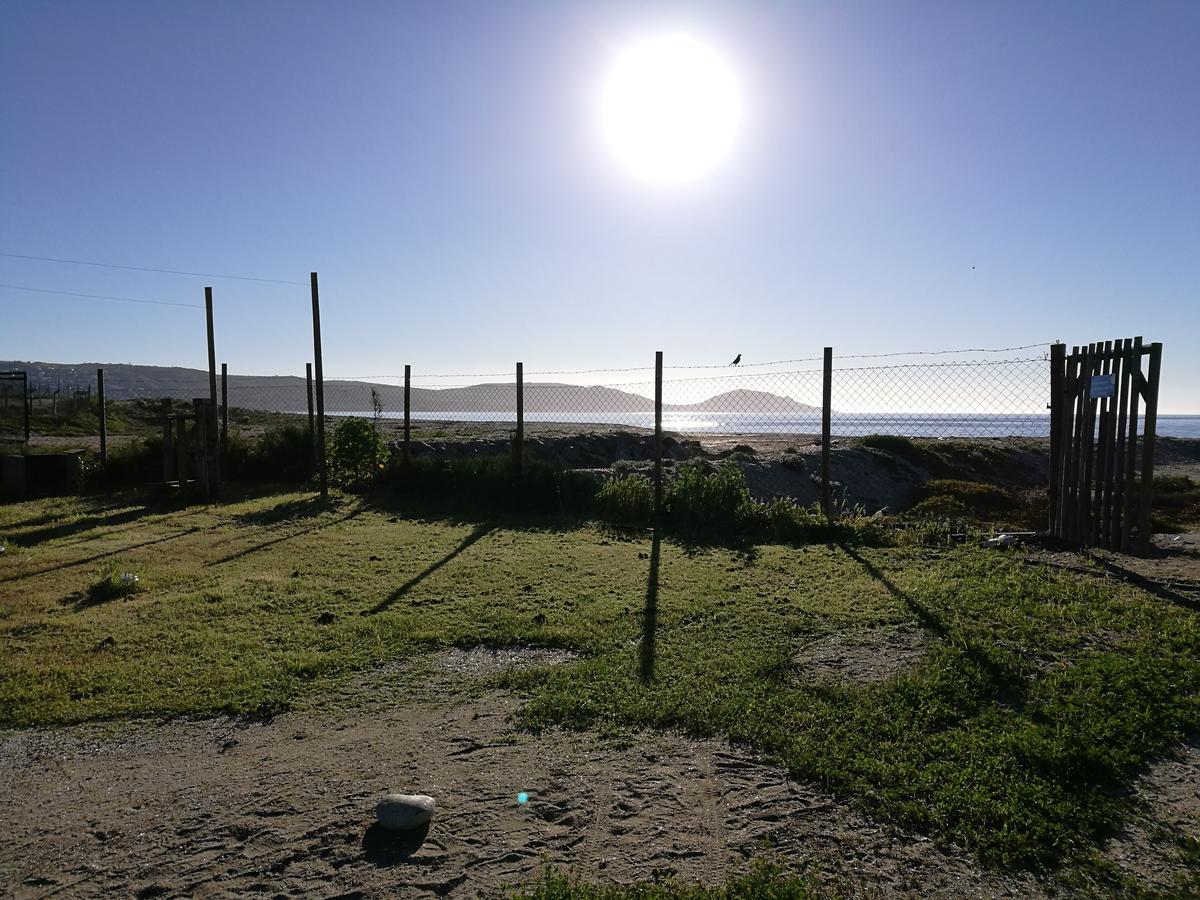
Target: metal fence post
(405, 449)
(519, 435)
(103, 416)
(316, 311)
(826, 416)
(1058, 376)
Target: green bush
(702, 501)
(628, 500)
(972, 497)
(492, 482)
(282, 455)
(129, 465)
(355, 452)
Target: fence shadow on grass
(480, 531)
(86, 523)
(87, 559)
(646, 654)
(287, 537)
(1009, 686)
(1161, 590)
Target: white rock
(403, 811)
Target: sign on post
(1103, 386)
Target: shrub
(491, 482)
(282, 455)
(129, 465)
(628, 500)
(355, 452)
(949, 496)
(699, 500)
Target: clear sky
(907, 175)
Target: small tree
(355, 451)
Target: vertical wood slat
(1083, 448)
(1110, 448)
(1149, 436)
(1101, 474)
(1117, 501)
(1131, 449)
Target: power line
(84, 262)
(18, 287)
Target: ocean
(843, 424)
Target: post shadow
(650, 615)
(479, 532)
(1159, 589)
(1009, 687)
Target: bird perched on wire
(737, 359)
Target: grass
(765, 881)
(1041, 695)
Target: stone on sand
(404, 811)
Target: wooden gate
(1101, 447)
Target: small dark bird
(737, 359)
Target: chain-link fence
(893, 427)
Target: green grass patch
(1040, 695)
(765, 881)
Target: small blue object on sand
(522, 798)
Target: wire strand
(83, 262)
(18, 287)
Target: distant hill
(286, 393)
(748, 401)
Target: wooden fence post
(28, 403)
(658, 455)
(826, 422)
(1058, 371)
(103, 416)
(519, 435)
(224, 407)
(214, 481)
(316, 311)
(1149, 435)
(405, 447)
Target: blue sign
(1103, 386)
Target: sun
(670, 109)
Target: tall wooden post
(519, 435)
(658, 466)
(826, 422)
(103, 416)
(1058, 372)
(407, 414)
(214, 481)
(27, 400)
(224, 407)
(316, 310)
(1149, 429)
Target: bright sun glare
(670, 109)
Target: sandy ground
(220, 808)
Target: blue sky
(909, 176)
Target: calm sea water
(844, 424)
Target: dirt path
(218, 808)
